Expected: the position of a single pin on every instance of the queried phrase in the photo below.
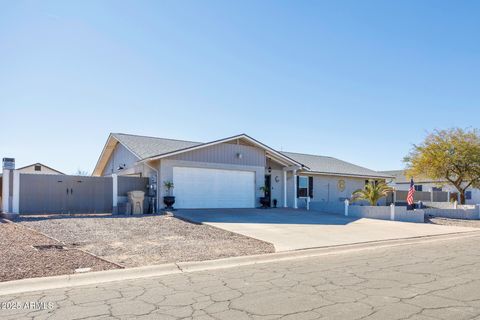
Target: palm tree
(372, 192)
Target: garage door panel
(213, 188)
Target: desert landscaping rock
(19, 259)
(454, 222)
(134, 241)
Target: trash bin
(135, 198)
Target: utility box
(135, 199)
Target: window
(468, 195)
(304, 187)
(418, 187)
(436, 188)
(38, 168)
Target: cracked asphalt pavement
(435, 280)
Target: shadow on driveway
(262, 216)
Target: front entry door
(268, 192)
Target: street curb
(74, 280)
(97, 277)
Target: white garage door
(213, 188)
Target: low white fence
(399, 213)
(392, 212)
(452, 210)
(472, 213)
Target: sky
(358, 80)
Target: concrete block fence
(452, 210)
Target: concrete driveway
(289, 229)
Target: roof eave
(423, 181)
(347, 175)
(97, 171)
(107, 153)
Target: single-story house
(228, 173)
(401, 182)
(38, 168)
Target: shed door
(213, 188)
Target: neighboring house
(402, 182)
(38, 168)
(228, 173)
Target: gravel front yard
(19, 259)
(453, 222)
(146, 240)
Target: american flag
(411, 193)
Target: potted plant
(265, 201)
(168, 200)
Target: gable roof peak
(116, 134)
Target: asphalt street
(431, 280)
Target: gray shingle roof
(145, 147)
(330, 165)
(400, 177)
